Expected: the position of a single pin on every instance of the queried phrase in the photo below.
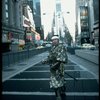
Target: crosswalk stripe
(51, 93)
(49, 66)
(44, 79)
(49, 71)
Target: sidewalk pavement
(20, 67)
(85, 64)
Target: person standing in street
(57, 58)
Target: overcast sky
(48, 6)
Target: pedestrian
(57, 58)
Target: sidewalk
(19, 67)
(90, 55)
(15, 69)
(85, 64)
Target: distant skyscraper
(37, 13)
(37, 17)
(58, 5)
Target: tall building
(31, 35)
(82, 21)
(96, 22)
(92, 13)
(37, 17)
(93, 6)
(59, 20)
(91, 20)
(58, 5)
(12, 24)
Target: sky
(48, 6)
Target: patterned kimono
(57, 55)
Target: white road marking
(44, 79)
(51, 93)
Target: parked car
(88, 46)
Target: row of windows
(7, 15)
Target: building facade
(17, 21)
(29, 24)
(96, 22)
(12, 24)
(91, 20)
(82, 22)
(37, 18)
(90, 15)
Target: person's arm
(47, 60)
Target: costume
(57, 57)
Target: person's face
(55, 42)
